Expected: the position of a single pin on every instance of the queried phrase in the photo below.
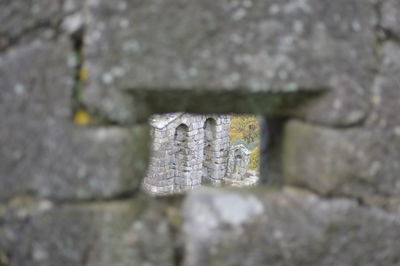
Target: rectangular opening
(192, 150)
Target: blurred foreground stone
(96, 234)
(286, 228)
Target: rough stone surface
(69, 195)
(24, 19)
(286, 228)
(83, 164)
(223, 46)
(390, 16)
(96, 234)
(352, 162)
(41, 151)
(386, 90)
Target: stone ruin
(238, 173)
(239, 159)
(190, 150)
(187, 150)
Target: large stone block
(41, 151)
(386, 91)
(356, 162)
(92, 234)
(286, 228)
(24, 19)
(390, 16)
(76, 164)
(225, 46)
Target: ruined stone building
(187, 150)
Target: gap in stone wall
(193, 150)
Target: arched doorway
(238, 162)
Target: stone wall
(186, 150)
(323, 73)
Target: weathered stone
(24, 19)
(83, 163)
(193, 149)
(286, 228)
(390, 16)
(391, 204)
(264, 46)
(66, 192)
(92, 234)
(42, 151)
(354, 162)
(386, 92)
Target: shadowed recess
(148, 102)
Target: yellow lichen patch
(81, 117)
(83, 74)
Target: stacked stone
(60, 181)
(189, 176)
(69, 195)
(42, 151)
(166, 174)
(219, 150)
(159, 165)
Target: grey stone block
(390, 16)
(356, 162)
(22, 19)
(386, 94)
(92, 234)
(261, 46)
(285, 228)
(42, 152)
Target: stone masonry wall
(80, 79)
(186, 150)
